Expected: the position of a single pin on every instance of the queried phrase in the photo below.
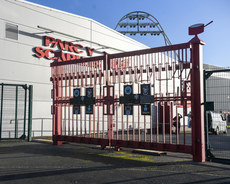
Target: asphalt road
(220, 145)
(39, 162)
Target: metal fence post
(30, 112)
(42, 128)
(208, 153)
(198, 144)
(205, 119)
(25, 103)
(16, 114)
(1, 112)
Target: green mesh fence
(13, 111)
(217, 91)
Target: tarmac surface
(40, 162)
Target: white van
(216, 124)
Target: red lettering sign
(47, 52)
(75, 48)
(48, 40)
(61, 45)
(89, 51)
(39, 51)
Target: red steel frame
(174, 73)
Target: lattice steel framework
(139, 22)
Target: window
(11, 31)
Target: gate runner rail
(139, 99)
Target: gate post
(57, 118)
(198, 143)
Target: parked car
(216, 124)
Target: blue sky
(175, 16)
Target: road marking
(45, 140)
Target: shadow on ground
(31, 161)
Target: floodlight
(197, 28)
(144, 23)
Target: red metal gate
(137, 98)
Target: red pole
(58, 113)
(198, 143)
(54, 107)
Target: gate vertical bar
(198, 145)
(16, 114)
(1, 111)
(53, 107)
(108, 83)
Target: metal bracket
(108, 100)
